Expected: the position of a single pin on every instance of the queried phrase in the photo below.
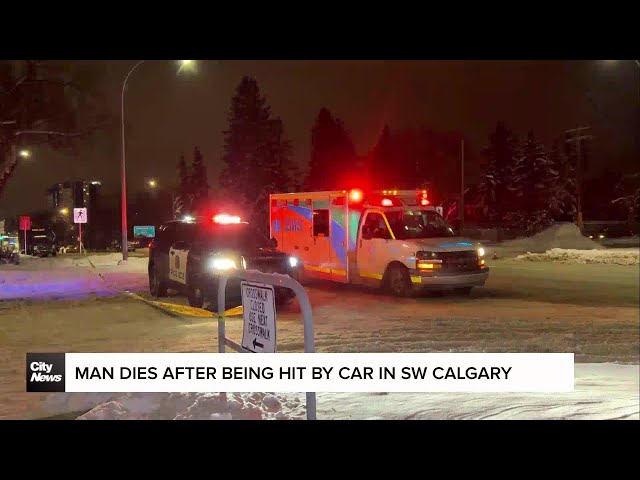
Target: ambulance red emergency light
(386, 238)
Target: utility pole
(577, 135)
(461, 186)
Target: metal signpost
(259, 313)
(25, 224)
(80, 217)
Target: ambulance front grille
(459, 261)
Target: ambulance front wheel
(397, 281)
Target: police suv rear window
(241, 236)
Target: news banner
(300, 372)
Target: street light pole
(461, 186)
(123, 179)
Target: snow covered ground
(616, 256)
(603, 391)
(71, 276)
(624, 242)
(61, 304)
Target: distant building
(73, 194)
(63, 197)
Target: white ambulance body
(391, 238)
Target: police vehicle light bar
(224, 218)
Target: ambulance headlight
(222, 264)
(481, 252)
(293, 262)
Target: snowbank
(559, 235)
(617, 256)
(187, 406)
(603, 391)
(28, 262)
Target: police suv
(188, 255)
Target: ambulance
(393, 239)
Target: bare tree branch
(46, 132)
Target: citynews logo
(45, 372)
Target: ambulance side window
(321, 223)
(376, 227)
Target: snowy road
(591, 310)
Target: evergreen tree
(380, 160)
(257, 155)
(183, 176)
(332, 164)
(496, 179)
(562, 199)
(531, 184)
(198, 181)
(184, 196)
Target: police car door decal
(178, 265)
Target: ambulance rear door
(338, 238)
(317, 261)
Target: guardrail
(277, 280)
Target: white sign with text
(259, 312)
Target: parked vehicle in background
(116, 246)
(9, 256)
(43, 248)
(41, 242)
(70, 248)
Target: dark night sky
(169, 114)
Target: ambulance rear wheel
(397, 281)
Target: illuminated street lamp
(153, 184)
(64, 211)
(184, 64)
(24, 153)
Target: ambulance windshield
(418, 224)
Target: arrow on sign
(255, 342)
